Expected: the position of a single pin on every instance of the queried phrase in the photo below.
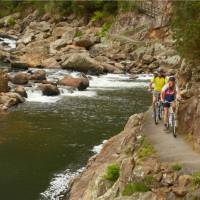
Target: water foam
(11, 43)
(59, 185)
(97, 149)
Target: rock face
(83, 63)
(49, 90)
(80, 83)
(20, 78)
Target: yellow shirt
(158, 83)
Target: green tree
(186, 28)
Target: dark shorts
(166, 104)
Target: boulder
(21, 90)
(57, 45)
(20, 78)
(81, 83)
(40, 26)
(38, 75)
(51, 63)
(82, 62)
(10, 99)
(66, 32)
(3, 82)
(18, 65)
(86, 41)
(49, 90)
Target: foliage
(149, 180)
(196, 179)
(145, 150)
(98, 15)
(112, 173)
(135, 187)
(78, 34)
(186, 28)
(176, 167)
(11, 21)
(104, 29)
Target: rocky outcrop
(150, 178)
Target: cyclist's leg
(154, 99)
(166, 113)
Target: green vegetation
(104, 29)
(149, 180)
(186, 28)
(196, 179)
(11, 21)
(112, 173)
(78, 34)
(145, 149)
(135, 187)
(176, 167)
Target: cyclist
(156, 84)
(168, 97)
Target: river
(47, 140)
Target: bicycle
(158, 110)
(171, 122)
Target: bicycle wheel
(155, 114)
(173, 126)
(160, 111)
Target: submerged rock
(38, 75)
(80, 83)
(21, 90)
(20, 78)
(49, 90)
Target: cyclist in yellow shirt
(156, 84)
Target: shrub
(145, 150)
(11, 21)
(176, 167)
(78, 34)
(196, 178)
(98, 15)
(112, 173)
(105, 28)
(135, 187)
(149, 180)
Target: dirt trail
(170, 149)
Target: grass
(149, 180)
(145, 150)
(196, 179)
(11, 21)
(78, 34)
(176, 167)
(135, 187)
(112, 173)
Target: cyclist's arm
(162, 96)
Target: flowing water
(47, 140)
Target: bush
(145, 150)
(135, 187)
(98, 15)
(176, 167)
(186, 28)
(104, 29)
(112, 173)
(11, 21)
(196, 178)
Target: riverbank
(128, 167)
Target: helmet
(172, 78)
